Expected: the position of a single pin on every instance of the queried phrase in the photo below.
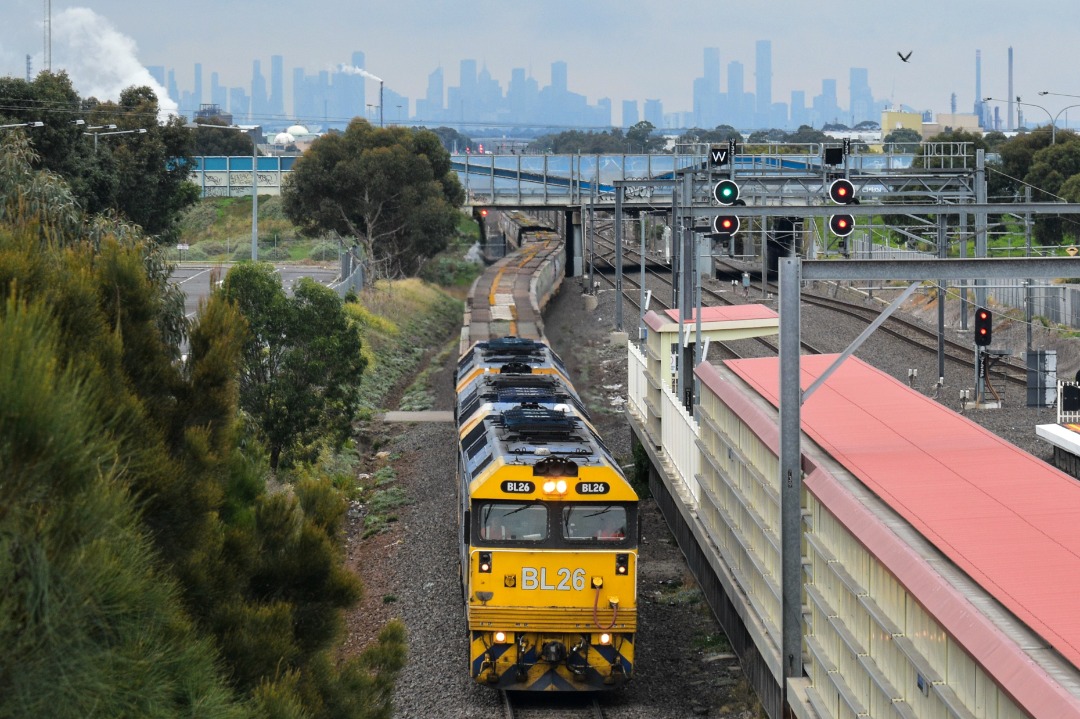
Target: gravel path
(410, 571)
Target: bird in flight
(903, 56)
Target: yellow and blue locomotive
(549, 528)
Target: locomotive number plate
(564, 579)
(518, 487)
(593, 487)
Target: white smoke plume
(353, 70)
(100, 60)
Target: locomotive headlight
(622, 564)
(604, 639)
(555, 486)
(485, 562)
(503, 638)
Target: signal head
(725, 224)
(842, 192)
(726, 192)
(984, 328)
(841, 225)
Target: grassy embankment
(218, 229)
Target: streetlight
(1061, 94)
(34, 123)
(1053, 118)
(253, 129)
(140, 131)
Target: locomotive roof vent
(532, 419)
(521, 395)
(511, 345)
(515, 368)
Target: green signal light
(726, 192)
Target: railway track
(550, 705)
(724, 351)
(911, 333)
(920, 336)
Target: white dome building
(284, 138)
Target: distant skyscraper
(259, 104)
(218, 93)
(277, 86)
(197, 95)
(360, 87)
(465, 96)
(862, 100)
(489, 96)
(799, 115)
(558, 77)
(737, 110)
(431, 107)
(522, 96)
(654, 113)
(706, 112)
(603, 112)
(629, 113)
(826, 110)
(763, 78)
(172, 89)
(239, 104)
(158, 73)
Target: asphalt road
(196, 279)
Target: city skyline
(642, 54)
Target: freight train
(549, 525)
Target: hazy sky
(621, 49)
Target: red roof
(1008, 519)
(725, 313)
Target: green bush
(324, 252)
(270, 208)
(639, 480)
(198, 218)
(275, 254)
(195, 254)
(449, 271)
(212, 248)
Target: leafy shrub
(198, 218)
(211, 248)
(639, 479)
(450, 271)
(195, 254)
(275, 254)
(324, 252)
(270, 208)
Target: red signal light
(984, 329)
(726, 224)
(842, 192)
(841, 225)
(483, 213)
